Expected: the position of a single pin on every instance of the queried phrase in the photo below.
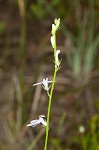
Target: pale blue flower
(44, 84)
(35, 122)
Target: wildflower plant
(45, 83)
(57, 62)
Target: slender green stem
(50, 98)
(49, 108)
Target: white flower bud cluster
(55, 27)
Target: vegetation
(26, 58)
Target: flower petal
(37, 83)
(34, 123)
(42, 121)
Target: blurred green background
(26, 57)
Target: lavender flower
(35, 122)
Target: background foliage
(26, 57)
